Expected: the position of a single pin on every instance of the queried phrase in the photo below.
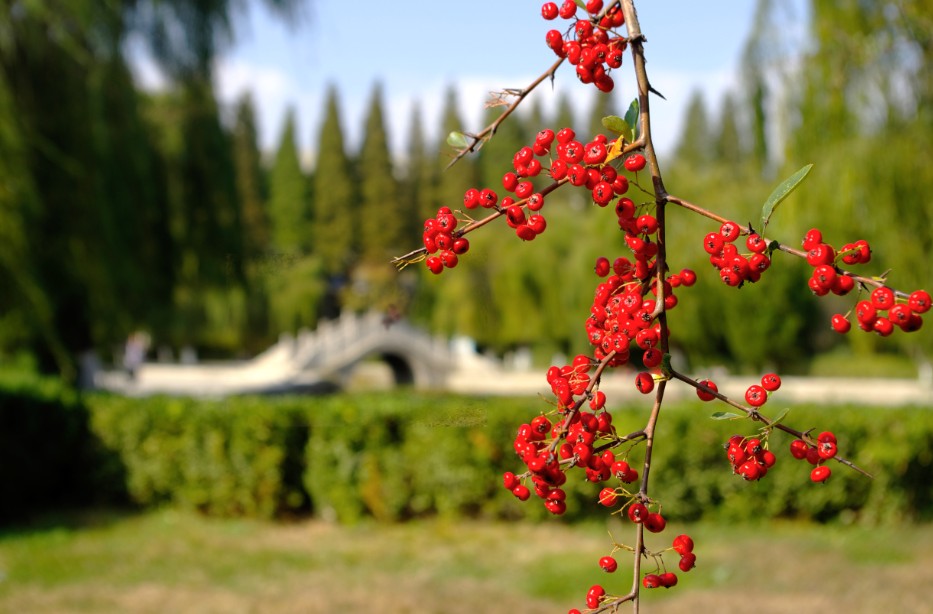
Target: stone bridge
(319, 360)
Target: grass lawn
(170, 561)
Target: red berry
(635, 163)
(549, 10)
(798, 449)
(706, 396)
(813, 238)
(521, 492)
(608, 497)
(756, 395)
(821, 473)
(668, 579)
(730, 231)
(594, 595)
(637, 512)
(644, 382)
(770, 382)
(434, 264)
(687, 562)
(683, 544)
(608, 564)
(651, 581)
(840, 323)
(826, 449)
(919, 301)
(750, 470)
(882, 298)
(755, 243)
(655, 522)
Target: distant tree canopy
(124, 209)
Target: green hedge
(48, 456)
(231, 457)
(398, 456)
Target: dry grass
(175, 562)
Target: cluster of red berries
(589, 45)
(683, 545)
(882, 311)
(749, 457)
(439, 238)
(822, 257)
(736, 268)
(816, 455)
(549, 449)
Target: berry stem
(477, 140)
(756, 415)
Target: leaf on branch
(780, 417)
(581, 4)
(781, 192)
(726, 415)
(457, 140)
(615, 150)
(666, 369)
(616, 124)
(631, 118)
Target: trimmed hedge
(231, 457)
(397, 456)
(48, 456)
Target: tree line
(122, 209)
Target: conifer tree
(336, 208)
(498, 151)
(381, 217)
(564, 115)
(452, 181)
(729, 148)
(604, 103)
(416, 187)
(250, 180)
(288, 207)
(695, 144)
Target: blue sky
(417, 49)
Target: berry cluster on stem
(575, 437)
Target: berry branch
(471, 143)
(629, 308)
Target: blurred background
(185, 182)
(140, 194)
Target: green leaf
(631, 118)
(726, 415)
(581, 4)
(781, 192)
(780, 417)
(457, 140)
(617, 125)
(666, 369)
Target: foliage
(365, 456)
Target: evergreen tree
(454, 180)
(695, 145)
(604, 103)
(288, 207)
(495, 157)
(416, 187)
(381, 215)
(564, 116)
(759, 56)
(335, 204)
(729, 148)
(250, 180)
